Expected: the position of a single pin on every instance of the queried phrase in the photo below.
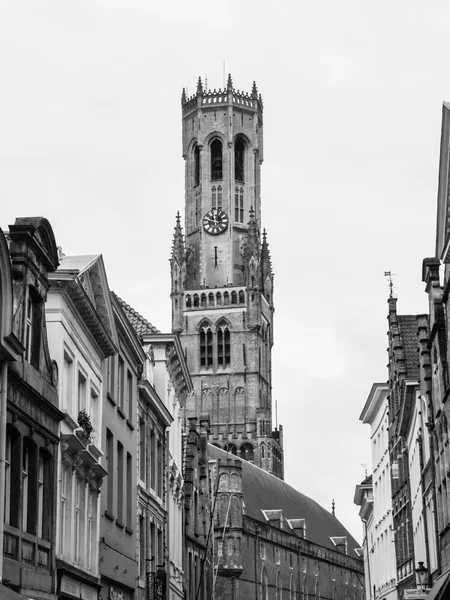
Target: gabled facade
(82, 335)
(163, 389)
(119, 521)
(32, 415)
(374, 496)
(403, 369)
(221, 273)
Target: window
(264, 586)
(129, 491)
(40, 495)
(216, 160)
(239, 153)
(111, 375)
(223, 345)
(63, 509)
(142, 451)
(160, 548)
(120, 475)
(197, 208)
(239, 204)
(216, 197)
(31, 340)
(90, 529)
(81, 391)
(196, 165)
(141, 547)
(206, 346)
(160, 467)
(67, 382)
(279, 590)
(110, 468)
(121, 384)
(247, 452)
(153, 459)
(78, 543)
(29, 487)
(94, 409)
(130, 396)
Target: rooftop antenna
(388, 274)
(364, 466)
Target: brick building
(272, 542)
(222, 279)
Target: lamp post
(421, 577)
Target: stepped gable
(408, 332)
(139, 323)
(265, 492)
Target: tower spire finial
(199, 86)
(388, 274)
(254, 91)
(229, 83)
(178, 251)
(333, 505)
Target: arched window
(292, 588)
(211, 299)
(196, 301)
(223, 344)
(233, 297)
(188, 301)
(304, 590)
(239, 153)
(316, 591)
(203, 301)
(226, 299)
(197, 207)
(219, 299)
(241, 297)
(216, 160)
(263, 451)
(239, 204)
(247, 452)
(231, 448)
(213, 196)
(264, 586)
(206, 346)
(196, 165)
(279, 593)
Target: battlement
(222, 97)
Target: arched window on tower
(239, 153)
(239, 204)
(206, 346)
(196, 165)
(231, 448)
(216, 160)
(223, 344)
(247, 452)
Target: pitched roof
(139, 323)
(263, 491)
(408, 331)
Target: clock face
(215, 221)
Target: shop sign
(77, 589)
(415, 594)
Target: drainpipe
(424, 508)
(3, 388)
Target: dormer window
(239, 153)
(216, 160)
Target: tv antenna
(364, 466)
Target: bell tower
(222, 279)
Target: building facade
(221, 273)
(374, 496)
(82, 335)
(32, 414)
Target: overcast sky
(90, 123)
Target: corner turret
(178, 275)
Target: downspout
(3, 401)
(433, 477)
(257, 532)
